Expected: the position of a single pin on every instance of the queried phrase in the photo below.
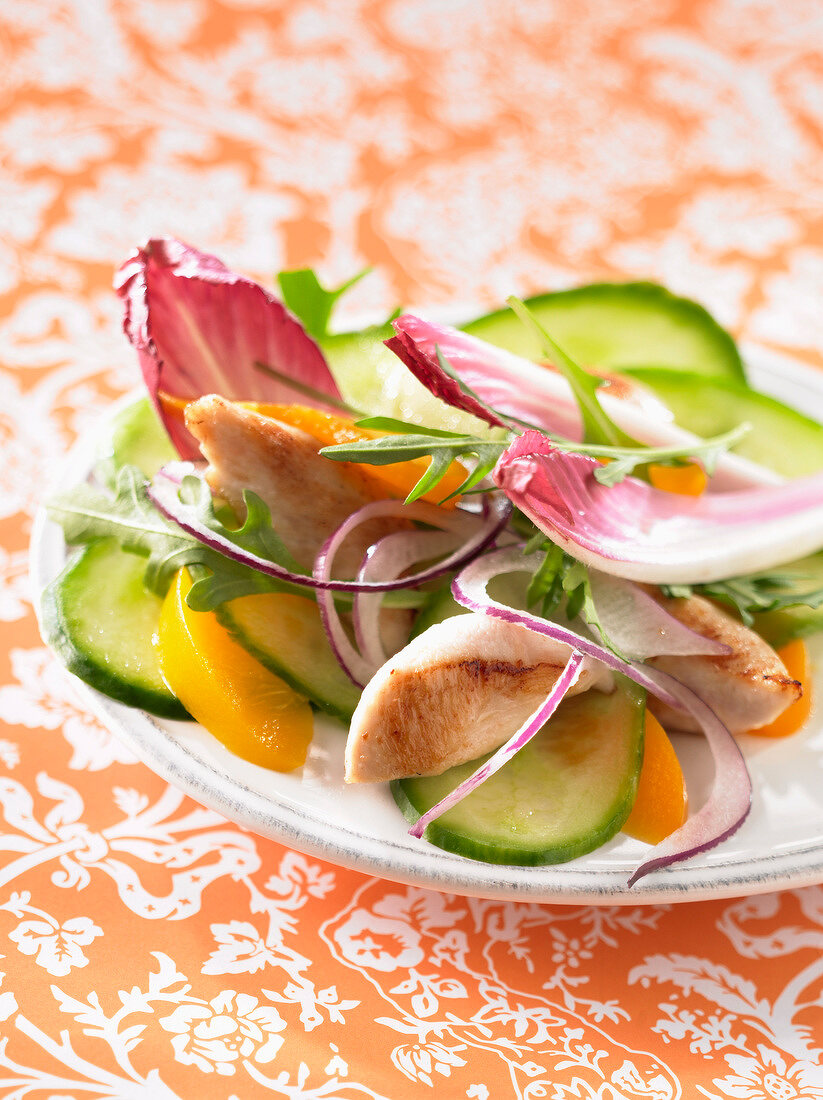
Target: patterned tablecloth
(466, 149)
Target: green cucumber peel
(598, 426)
(87, 513)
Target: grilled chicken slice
(309, 496)
(746, 688)
(460, 689)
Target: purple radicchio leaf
(635, 531)
(521, 392)
(421, 359)
(199, 328)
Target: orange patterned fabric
(467, 149)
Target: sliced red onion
(469, 588)
(635, 531)
(177, 472)
(526, 391)
(387, 559)
(477, 531)
(527, 731)
(730, 797)
(360, 667)
(200, 328)
(636, 624)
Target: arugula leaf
(310, 302)
(575, 598)
(677, 591)
(625, 460)
(546, 584)
(87, 513)
(256, 533)
(536, 542)
(598, 426)
(390, 424)
(560, 575)
(409, 442)
(316, 396)
(753, 593)
(443, 449)
(578, 592)
(228, 579)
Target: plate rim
(421, 865)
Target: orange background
(467, 150)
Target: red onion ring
(730, 797)
(527, 731)
(164, 493)
(360, 667)
(469, 589)
(387, 559)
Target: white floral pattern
(419, 1061)
(56, 947)
(45, 698)
(230, 1027)
(767, 1076)
(14, 587)
(466, 150)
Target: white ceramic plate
(780, 845)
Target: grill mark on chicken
(746, 688)
(482, 670)
(428, 725)
(457, 691)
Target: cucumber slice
(610, 325)
(285, 633)
(359, 362)
(564, 794)
(135, 438)
(99, 619)
(780, 627)
(619, 325)
(781, 438)
(373, 380)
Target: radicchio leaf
(635, 531)
(424, 365)
(526, 392)
(200, 328)
(515, 387)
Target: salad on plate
(508, 558)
